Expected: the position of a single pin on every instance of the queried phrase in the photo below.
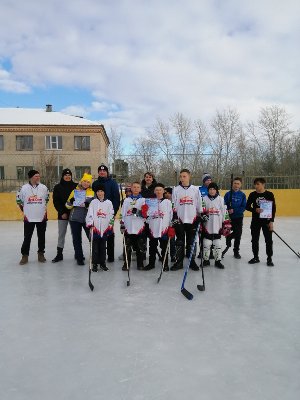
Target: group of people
(169, 218)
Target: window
(53, 142)
(1, 172)
(22, 172)
(1, 142)
(79, 171)
(54, 172)
(81, 142)
(24, 142)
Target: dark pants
(153, 243)
(256, 226)
(111, 247)
(172, 248)
(185, 233)
(138, 243)
(99, 251)
(76, 229)
(237, 229)
(28, 232)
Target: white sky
(143, 59)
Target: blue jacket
(203, 190)
(238, 203)
(111, 190)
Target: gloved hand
(134, 211)
(175, 220)
(226, 229)
(171, 232)
(72, 199)
(204, 218)
(86, 204)
(144, 210)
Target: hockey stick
(297, 254)
(230, 206)
(201, 287)
(91, 253)
(185, 292)
(126, 259)
(163, 264)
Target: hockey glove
(171, 232)
(204, 218)
(144, 210)
(134, 211)
(175, 220)
(226, 229)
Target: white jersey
(100, 215)
(134, 223)
(187, 203)
(217, 211)
(34, 201)
(159, 220)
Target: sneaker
(237, 255)
(95, 268)
(206, 263)
(24, 260)
(219, 265)
(80, 262)
(194, 266)
(254, 260)
(103, 267)
(270, 262)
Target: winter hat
(66, 171)
(102, 167)
(87, 177)
(205, 177)
(100, 187)
(32, 172)
(213, 185)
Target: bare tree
(183, 130)
(115, 147)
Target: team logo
(213, 211)
(101, 214)
(186, 200)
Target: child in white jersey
(160, 215)
(132, 225)
(187, 202)
(218, 224)
(100, 217)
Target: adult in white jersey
(32, 200)
(187, 202)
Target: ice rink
(238, 340)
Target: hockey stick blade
(187, 294)
(201, 288)
(128, 283)
(90, 283)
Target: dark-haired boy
(262, 204)
(235, 201)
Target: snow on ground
(237, 340)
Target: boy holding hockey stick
(132, 225)
(218, 224)
(159, 220)
(100, 217)
(187, 202)
(261, 203)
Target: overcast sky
(127, 62)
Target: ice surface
(237, 340)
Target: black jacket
(61, 192)
(148, 192)
(253, 203)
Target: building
(49, 141)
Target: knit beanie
(213, 185)
(205, 177)
(102, 167)
(32, 172)
(87, 177)
(66, 171)
(100, 187)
